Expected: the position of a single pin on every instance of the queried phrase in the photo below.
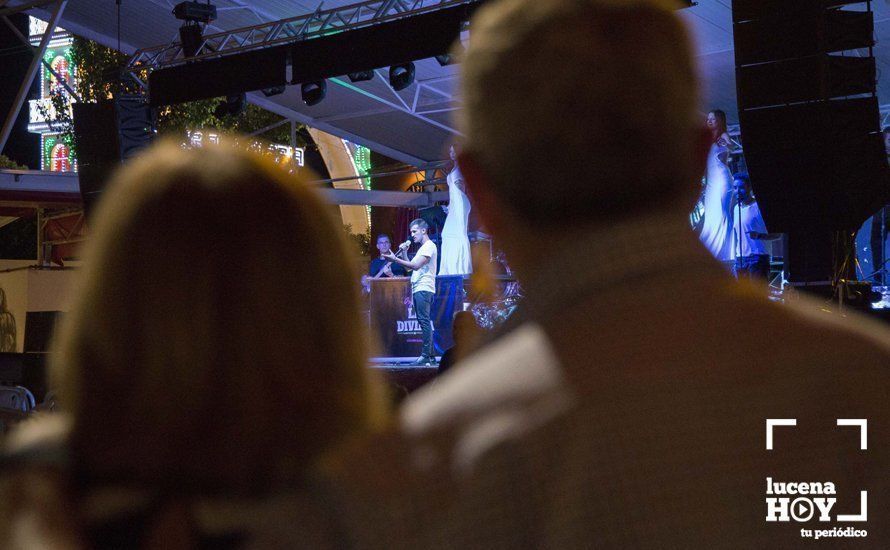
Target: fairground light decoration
(55, 150)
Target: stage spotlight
(401, 76)
(195, 11)
(276, 90)
(313, 92)
(446, 59)
(451, 58)
(361, 76)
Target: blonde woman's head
(215, 340)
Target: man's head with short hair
(419, 230)
(579, 111)
(383, 242)
(741, 185)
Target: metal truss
(398, 103)
(318, 23)
(35, 62)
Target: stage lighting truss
(319, 23)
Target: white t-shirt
(425, 277)
(751, 221)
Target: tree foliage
(359, 242)
(9, 164)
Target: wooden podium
(392, 320)
(395, 324)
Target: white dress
(716, 232)
(456, 259)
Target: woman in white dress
(456, 259)
(716, 231)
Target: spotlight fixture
(191, 38)
(195, 12)
(361, 76)
(313, 92)
(446, 59)
(275, 90)
(233, 105)
(450, 58)
(401, 76)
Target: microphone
(405, 244)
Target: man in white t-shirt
(423, 284)
(749, 232)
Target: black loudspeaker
(191, 38)
(107, 133)
(810, 124)
(226, 76)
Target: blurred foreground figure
(203, 369)
(631, 411)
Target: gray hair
(602, 92)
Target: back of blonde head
(215, 340)
(580, 108)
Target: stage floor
(402, 375)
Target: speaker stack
(808, 110)
(106, 134)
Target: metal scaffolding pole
(32, 72)
(52, 71)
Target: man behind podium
(380, 266)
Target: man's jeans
(423, 303)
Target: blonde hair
(580, 107)
(215, 341)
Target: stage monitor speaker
(107, 133)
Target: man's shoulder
(516, 379)
(427, 249)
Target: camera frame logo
(804, 501)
